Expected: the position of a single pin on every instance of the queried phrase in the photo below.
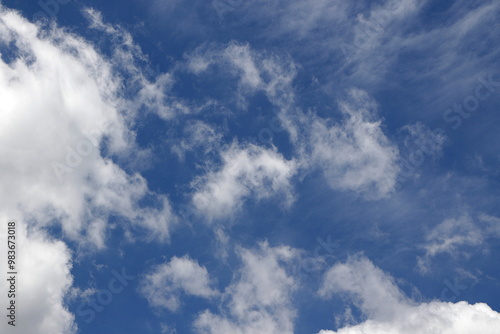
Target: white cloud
(241, 58)
(246, 172)
(62, 107)
(451, 233)
(256, 71)
(388, 310)
(259, 300)
(163, 286)
(150, 90)
(43, 282)
(355, 154)
(458, 237)
(367, 284)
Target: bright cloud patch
(389, 311)
(355, 154)
(259, 301)
(163, 286)
(61, 108)
(43, 283)
(249, 171)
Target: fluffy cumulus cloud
(43, 282)
(63, 118)
(388, 310)
(246, 171)
(355, 154)
(260, 298)
(164, 285)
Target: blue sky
(256, 166)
